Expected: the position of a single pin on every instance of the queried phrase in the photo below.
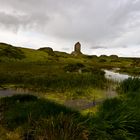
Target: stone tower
(77, 49)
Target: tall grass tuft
(130, 85)
(55, 82)
(62, 127)
(115, 120)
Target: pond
(116, 76)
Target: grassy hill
(9, 52)
(58, 60)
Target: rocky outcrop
(113, 56)
(48, 50)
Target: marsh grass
(56, 82)
(115, 119)
(66, 127)
(40, 119)
(19, 107)
(11, 135)
(29, 117)
(119, 118)
(130, 85)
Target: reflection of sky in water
(115, 76)
(7, 92)
(10, 92)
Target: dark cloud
(93, 22)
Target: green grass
(131, 85)
(87, 95)
(10, 52)
(118, 118)
(31, 55)
(115, 119)
(34, 55)
(40, 118)
(18, 108)
(58, 79)
(135, 71)
(49, 77)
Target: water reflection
(11, 92)
(115, 75)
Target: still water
(112, 75)
(10, 92)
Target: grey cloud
(26, 14)
(26, 21)
(66, 49)
(9, 21)
(124, 46)
(99, 47)
(97, 22)
(93, 22)
(106, 47)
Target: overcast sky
(102, 26)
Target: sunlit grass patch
(89, 94)
(91, 110)
(34, 55)
(54, 96)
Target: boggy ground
(29, 117)
(60, 79)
